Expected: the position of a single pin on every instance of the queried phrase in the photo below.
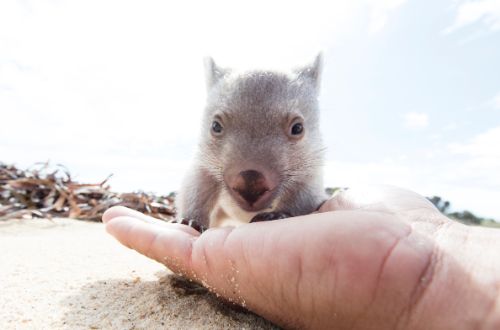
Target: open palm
(370, 258)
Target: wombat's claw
(191, 223)
(268, 216)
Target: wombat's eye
(297, 129)
(216, 127)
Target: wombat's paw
(268, 216)
(191, 223)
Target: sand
(70, 274)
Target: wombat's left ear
(312, 72)
(213, 72)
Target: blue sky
(410, 92)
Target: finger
(121, 211)
(369, 197)
(118, 211)
(380, 198)
(166, 244)
(275, 267)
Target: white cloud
(477, 162)
(350, 173)
(474, 172)
(486, 12)
(484, 146)
(416, 120)
(495, 102)
(380, 12)
(451, 126)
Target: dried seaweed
(45, 191)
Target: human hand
(376, 257)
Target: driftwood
(46, 191)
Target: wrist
(465, 285)
(483, 257)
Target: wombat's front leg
(196, 199)
(269, 216)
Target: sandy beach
(70, 274)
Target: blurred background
(410, 91)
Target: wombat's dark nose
(251, 185)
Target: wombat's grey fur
(254, 161)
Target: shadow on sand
(126, 304)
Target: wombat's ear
(312, 72)
(213, 72)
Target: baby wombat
(260, 152)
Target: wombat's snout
(252, 189)
(251, 185)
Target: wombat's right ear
(312, 72)
(213, 72)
